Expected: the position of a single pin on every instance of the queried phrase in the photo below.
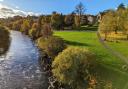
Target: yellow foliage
(73, 66)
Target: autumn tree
(46, 30)
(25, 26)
(124, 19)
(52, 45)
(57, 21)
(77, 21)
(17, 25)
(33, 31)
(121, 7)
(69, 20)
(73, 67)
(108, 24)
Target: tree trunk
(127, 36)
(105, 37)
(116, 31)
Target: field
(119, 43)
(110, 67)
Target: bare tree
(80, 9)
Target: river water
(19, 67)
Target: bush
(73, 67)
(4, 40)
(52, 46)
(33, 31)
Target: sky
(62, 6)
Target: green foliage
(52, 45)
(73, 67)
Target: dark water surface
(19, 68)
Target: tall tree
(108, 24)
(80, 9)
(25, 27)
(121, 7)
(57, 21)
(69, 20)
(124, 20)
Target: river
(19, 67)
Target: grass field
(119, 43)
(111, 66)
(121, 47)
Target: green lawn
(111, 66)
(121, 47)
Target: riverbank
(4, 40)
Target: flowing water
(19, 67)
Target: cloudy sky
(35, 7)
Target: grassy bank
(111, 66)
(4, 40)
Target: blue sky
(62, 6)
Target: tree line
(55, 21)
(115, 21)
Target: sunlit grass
(110, 67)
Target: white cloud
(6, 11)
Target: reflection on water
(19, 68)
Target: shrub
(4, 40)
(73, 67)
(33, 31)
(52, 45)
(46, 31)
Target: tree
(17, 25)
(52, 45)
(73, 67)
(57, 21)
(80, 9)
(45, 19)
(46, 30)
(77, 21)
(121, 7)
(39, 26)
(125, 22)
(25, 27)
(33, 31)
(69, 20)
(108, 23)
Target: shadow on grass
(75, 43)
